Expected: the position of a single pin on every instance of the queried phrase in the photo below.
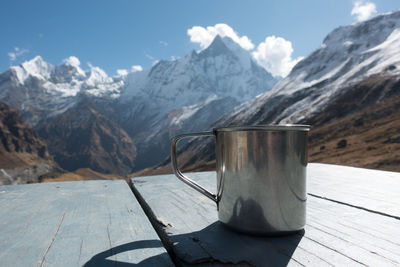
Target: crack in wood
(109, 236)
(163, 223)
(109, 242)
(52, 240)
(319, 243)
(314, 254)
(128, 209)
(355, 206)
(353, 243)
(211, 261)
(165, 240)
(24, 227)
(80, 251)
(368, 233)
(290, 256)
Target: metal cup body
(261, 178)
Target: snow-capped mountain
(158, 103)
(39, 90)
(150, 105)
(223, 69)
(356, 67)
(348, 55)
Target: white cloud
(153, 59)
(149, 56)
(363, 10)
(17, 53)
(163, 43)
(122, 72)
(204, 36)
(136, 68)
(74, 61)
(275, 55)
(12, 56)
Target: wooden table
(353, 218)
(91, 223)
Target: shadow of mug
(214, 244)
(105, 258)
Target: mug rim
(276, 127)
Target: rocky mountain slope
(39, 90)
(150, 106)
(367, 138)
(348, 56)
(82, 137)
(356, 68)
(23, 155)
(186, 94)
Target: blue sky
(120, 34)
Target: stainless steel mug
(261, 177)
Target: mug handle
(178, 172)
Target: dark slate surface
(91, 223)
(338, 234)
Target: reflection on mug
(261, 177)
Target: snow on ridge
(46, 90)
(243, 55)
(169, 83)
(75, 63)
(370, 32)
(224, 69)
(386, 55)
(20, 73)
(363, 43)
(68, 79)
(35, 67)
(97, 76)
(186, 112)
(347, 56)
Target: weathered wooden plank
(335, 234)
(370, 189)
(91, 223)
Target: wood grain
(370, 189)
(91, 223)
(335, 234)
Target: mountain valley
(347, 90)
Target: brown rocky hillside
(24, 157)
(82, 137)
(80, 175)
(369, 138)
